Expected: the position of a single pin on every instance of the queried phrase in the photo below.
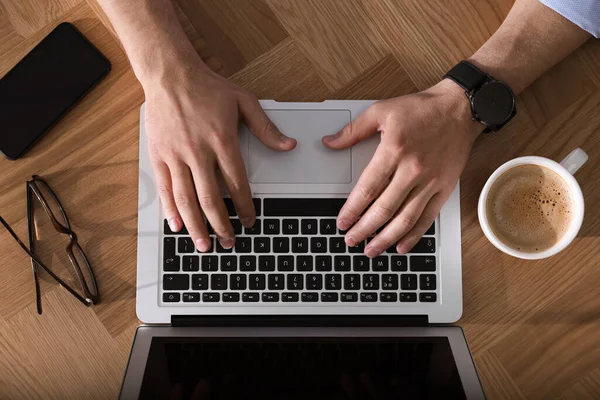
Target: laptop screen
(301, 368)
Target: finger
(262, 127)
(358, 129)
(382, 210)
(372, 181)
(201, 391)
(187, 204)
(211, 201)
(165, 191)
(233, 171)
(409, 240)
(404, 220)
(176, 392)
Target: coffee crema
(529, 208)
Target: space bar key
(302, 207)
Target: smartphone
(44, 85)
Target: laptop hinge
(299, 320)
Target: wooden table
(533, 327)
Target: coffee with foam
(529, 208)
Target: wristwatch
(492, 101)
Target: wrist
(455, 104)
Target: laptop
(290, 288)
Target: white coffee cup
(565, 169)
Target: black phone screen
(44, 85)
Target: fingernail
(372, 252)
(174, 225)
(203, 245)
(350, 241)
(227, 243)
(402, 249)
(247, 221)
(330, 138)
(343, 224)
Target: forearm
(530, 41)
(152, 37)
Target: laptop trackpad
(310, 161)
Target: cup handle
(574, 160)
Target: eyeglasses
(54, 210)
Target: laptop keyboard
(295, 254)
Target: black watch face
(494, 103)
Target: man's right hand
(192, 119)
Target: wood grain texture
(532, 326)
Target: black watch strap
(468, 76)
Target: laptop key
(314, 281)
(392, 250)
(310, 297)
(281, 245)
(349, 297)
(243, 245)
(399, 263)
(185, 245)
(171, 297)
(236, 225)
(276, 281)
(389, 282)
(290, 226)
(250, 297)
(218, 282)
(248, 263)
(408, 282)
(303, 207)
(341, 263)
(295, 282)
(200, 282)
(359, 248)
(191, 297)
(424, 245)
(210, 263)
(266, 263)
(229, 263)
(271, 226)
(167, 230)
(431, 230)
(168, 247)
(231, 207)
(299, 245)
(318, 245)
(333, 281)
(379, 263)
(422, 263)
(388, 297)
(176, 282)
(329, 297)
(408, 297)
(289, 297)
(427, 297)
(308, 226)
(211, 297)
(221, 249)
(427, 282)
(304, 263)
(254, 229)
(285, 263)
(237, 281)
(323, 263)
(327, 227)
(262, 244)
(257, 282)
(231, 297)
(370, 281)
(191, 263)
(337, 245)
(269, 297)
(360, 263)
(367, 297)
(352, 281)
(171, 263)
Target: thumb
(262, 127)
(359, 129)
